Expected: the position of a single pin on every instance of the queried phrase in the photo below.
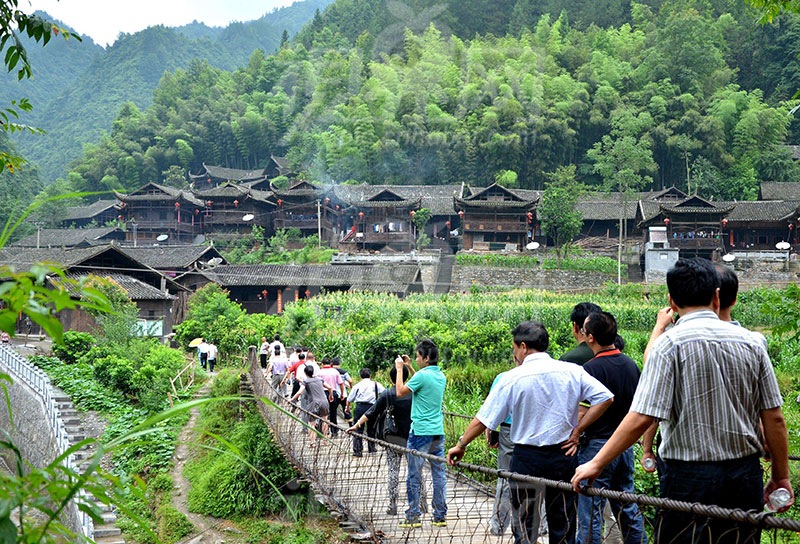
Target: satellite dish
(533, 245)
(248, 217)
(783, 246)
(162, 237)
(729, 258)
(215, 261)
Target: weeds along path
(208, 530)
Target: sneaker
(439, 522)
(357, 454)
(410, 524)
(392, 511)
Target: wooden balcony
(495, 226)
(305, 223)
(382, 238)
(166, 225)
(696, 243)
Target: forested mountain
(78, 87)
(691, 90)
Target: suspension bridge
(355, 488)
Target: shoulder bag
(390, 432)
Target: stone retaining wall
(464, 277)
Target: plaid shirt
(708, 381)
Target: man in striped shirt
(709, 383)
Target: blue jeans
(434, 445)
(618, 475)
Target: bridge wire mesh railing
(357, 488)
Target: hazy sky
(103, 20)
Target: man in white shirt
(276, 342)
(363, 396)
(543, 394)
(212, 356)
(202, 350)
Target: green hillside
(696, 91)
(79, 88)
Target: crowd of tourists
(706, 395)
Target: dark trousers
(203, 360)
(358, 411)
(295, 387)
(561, 506)
(211, 363)
(332, 416)
(736, 483)
(263, 358)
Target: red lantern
(352, 229)
(327, 200)
(337, 206)
(724, 223)
(666, 221)
(461, 214)
(264, 293)
(413, 213)
(447, 224)
(177, 205)
(791, 226)
(209, 180)
(308, 293)
(361, 215)
(235, 203)
(196, 211)
(119, 217)
(208, 203)
(122, 205)
(530, 217)
(280, 202)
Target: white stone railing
(22, 371)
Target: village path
(208, 530)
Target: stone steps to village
(106, 532)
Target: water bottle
(778, 499)
(649, 463)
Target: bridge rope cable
(336, 473)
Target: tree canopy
(664, 89)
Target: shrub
(75, 345)
(388, 341)
(224, 486)
(115, 372)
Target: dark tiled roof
(697, 205)
(505, 204)
(226, 190)
(383, 278)
(174, 257)
(233, 174)
(794, 150)
(774, 190)
(136, 289)
(71, 237)
(90, 211)
(437, 198)
(233, 190)
(388, 203)
(605, 210)
(24, 258)
(177, 194)
(282, 163)
(763, 210)
(649, 209)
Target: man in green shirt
(582, 352)
(427, 431)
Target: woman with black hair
(401, 412)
